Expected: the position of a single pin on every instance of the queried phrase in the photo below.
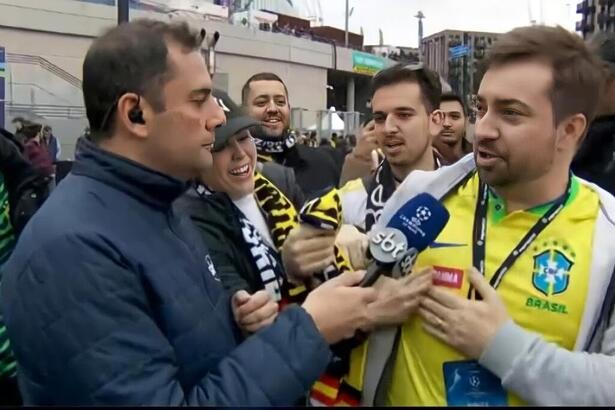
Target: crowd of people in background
(201, 252)
(37, 143)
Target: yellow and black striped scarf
(323, 213)
(282, 217)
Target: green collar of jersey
(497, 206)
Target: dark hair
(603, 44)
(447, 97)
(259, 77)
(31, 129)
(428, 81)
(131, 57)
(352, 140)
(577, 72)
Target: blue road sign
(459, 51)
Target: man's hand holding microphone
(338, 307)
(394, 248)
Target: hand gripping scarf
(282, 218)
(322, 213)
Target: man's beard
(450, 140)
(494, 178)
(511, 170)
(275, 132)
(264, 133)
(497, 175)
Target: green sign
(365, 63)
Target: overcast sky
(400, 28)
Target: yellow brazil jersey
(544, 291)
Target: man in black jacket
(19, 123)
(27, 189)
(265, 97)
(11, 137)
(595, 160)
(22, 191)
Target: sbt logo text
(388, 245)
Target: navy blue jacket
(109, 299)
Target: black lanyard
(479, 235)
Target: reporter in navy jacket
(109, 297)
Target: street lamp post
(420, 16)
(122, 11)
(346, 32)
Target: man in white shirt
(405, 106)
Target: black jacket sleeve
(16, 169)
(230, 265)
(220, 233)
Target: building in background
(45, 44)
(456, 56)
(596, 15)
(336, 35)
(407, 55)
(304, 9)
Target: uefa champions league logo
(423, 213)
(475, 381)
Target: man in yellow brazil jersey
(533, 323)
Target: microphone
(412, 228)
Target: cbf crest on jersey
(553, 261)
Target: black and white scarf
(265, 259)
(268, 146)
(379, 189)
(282, 217)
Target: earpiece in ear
(135, 115)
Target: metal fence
(325, 122)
